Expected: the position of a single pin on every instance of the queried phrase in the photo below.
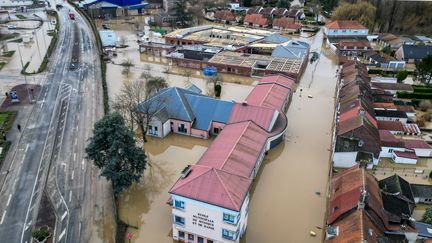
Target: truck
(71, 16)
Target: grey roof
(397, 185)
(162, 115)
(416, 52)
(194, 88)
(292, 49)
(423, 38)
(422, 190)
(378, 58)
(390, 113)
(423, 229)
(276, 38)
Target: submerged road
(49, 155)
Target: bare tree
(147, 68)
(155, 84)
(137, 105)
(188, 74)
(127, 64)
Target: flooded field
(284, 205)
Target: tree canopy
(113, 150)
(181, 13)
(427, 216)
(424, 69)
(361, 11)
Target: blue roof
(174, 100)
(276, 38)
(293, 49)
(133, 4)
(194, 88)
(207, 109)
(424, 230)
(182, 104)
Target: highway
(49, 154)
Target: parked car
(106, 26)
(11, 26)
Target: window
(216, 130)
(191, 237)
(179, 204)
(228, 234)
(209, 241)
(182, 128)
(179, 220)
(155, 130)
(228, 218)
(181, 235)
(390, 150)
(200, 240)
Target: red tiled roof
(280, 12)
(389, 140)
(262, 116)
(355, 112)
(416, 144)
(225, 15)
(279, 79)
(268, 95)
(286, 23)
(257, 19)
(393, 86)
(213, 186)
(345, 24)
(411, 128)
(390, 126)
(236, 149)
(405, 108)
(408, 155)
(383, 105)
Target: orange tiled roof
(257, 19)
(345, 24)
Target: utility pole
(25, 76)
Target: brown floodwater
(284, 205)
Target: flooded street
(284, 205)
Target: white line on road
(70, 195)
(26, 148)
(76, 141)
(82, 164)
(62, 234)
(8, 201)
(73, 172)
(3, 216)
(64, 215)
(74, 156)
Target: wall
(166, 128)
(346, 32)
(216, 124)
(176, 123)
(199, 133)
(400, 160)
(387, 152)
(15, 3)
(196, 211)
(383, 118)
(344, 159)
(154, 122)
(423, 152)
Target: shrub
(427, 117)
(427, 216)
(425, 105)
(407, 95)
(218, 90)
(41, 234)
(401, 75)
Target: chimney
(362, 202)
(361, 112)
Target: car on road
(11, 26)
(140, 34)
(106, 26)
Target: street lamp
(25, 76)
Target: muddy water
(284, 205)
(144, 205)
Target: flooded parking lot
(288, 197)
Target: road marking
(64, 215)
(73, 172)
(8, 201)
(76, 141)
(62, 234)
(26, 148)
(74, 156)
(70, 195)
(3, 216)
(82, 164)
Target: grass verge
(8, 36)
(20, 16)
(2, 64)
(8, 53)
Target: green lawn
(8, 53)
(2, 65)
(20, 16)
(17, 40)
(3, 117)
(4, 37)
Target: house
(389, 144)
(281, 12)
(255, 20)
(163, 19)
(353, 48)
(413, 53)
(423, 39)
(275, 39)
(393, 87)
(256, 10)
(286, 24)
(420, 147)
(398, 198)
(422, 193)
(350, 159)
(296, 14)
(390, 115)
(393, 41)
(399, 128)
(15, 3)
(268, 12)
(225, 16)
(108, 38)
(345, 28)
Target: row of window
(226, 234)
(228, 218)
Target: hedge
(386, 72)
(99, 46)
(422, 89)
(415, 95)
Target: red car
(71, 15)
